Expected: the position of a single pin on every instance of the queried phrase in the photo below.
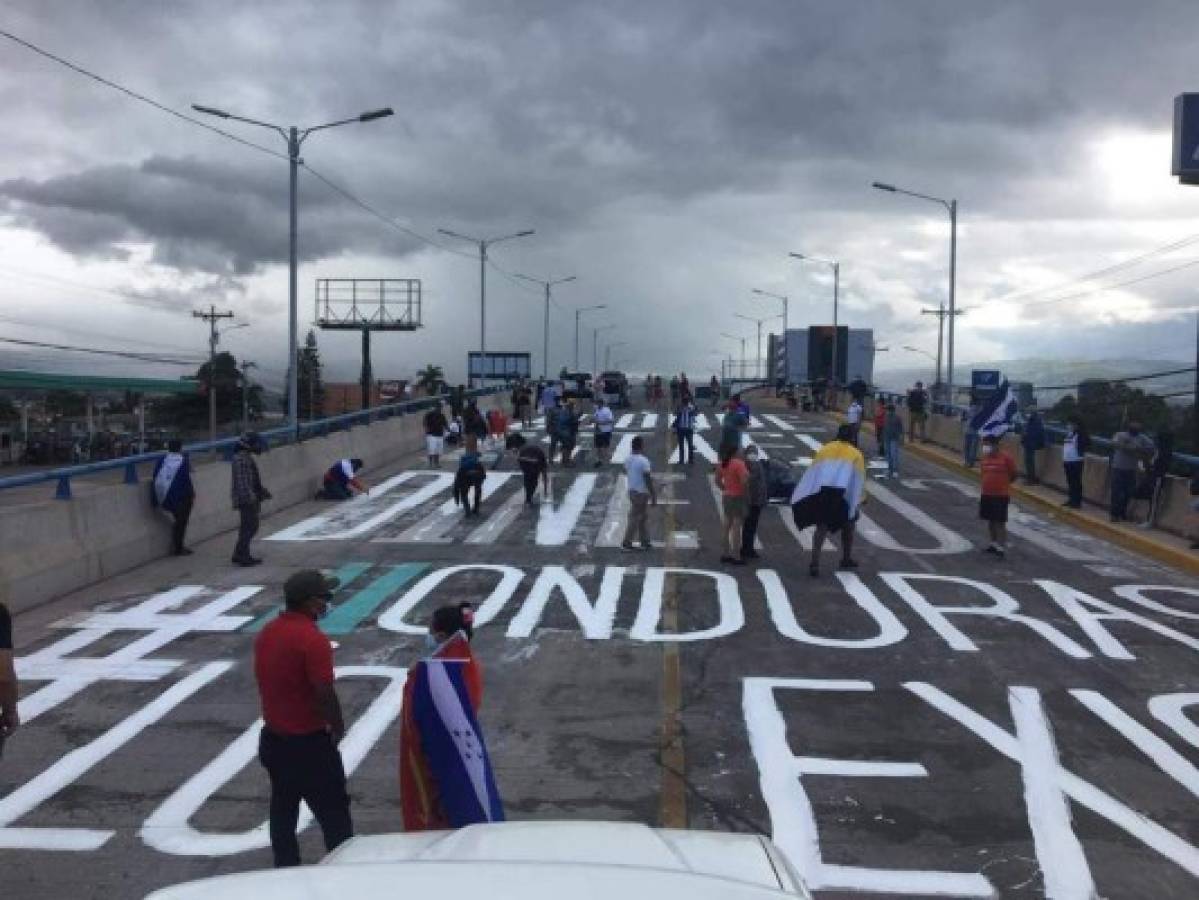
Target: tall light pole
(951, 206)
(295, 137)
(578, 315)
(608, 353)
(758, 322)
(836, 290)
(786, 302)
(483, 244)
(545, 340)
(733, 337)
(595, 333)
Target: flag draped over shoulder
(446, 779)
(172, 481)
(995, 417)
(837, 475)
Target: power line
(143, 357)
(1112, 287)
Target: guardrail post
(130, 473)
(64, 488)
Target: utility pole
(942, 314)
(214, 337)
(245, 394)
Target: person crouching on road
(998, 471)
(446, 779)
(248, 495)
(830, 495)
(469, 477)
(534, 466)
(732, 478)
(757, 495)
(302, 720)
(173, 492)
(341, 481)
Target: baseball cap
(307, 584)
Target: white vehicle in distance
(526, 861)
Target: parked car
(527, 861)
(576, 386)
(614, 388)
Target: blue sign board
(1186, 138)
(984, 379)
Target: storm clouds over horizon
(669, 154)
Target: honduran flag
(172, 481)
(446, 779)
(995, 417)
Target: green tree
(430, 378)
(1106, 407)
(310, 385)
(8, 410)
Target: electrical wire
(1151, 375)
(125, 354)
(1112, 287)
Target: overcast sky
(670, 153)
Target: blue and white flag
(453, 744)
(995, 417)
(172, 481)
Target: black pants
(246, 531)
(1030, 465)
(1123, 482)
(1074, 482)
(335, 490)
(686, 445)
(749, 529)
(182, 513)
(304, 767)
(530, 471)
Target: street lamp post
(483, 244)
(733, 337)
(951, 207)
(545, 340)
(295, 137)
(595, 333)
(785, 300)
(758, 322)
(836, 266)
(578, 315)
(608, 353)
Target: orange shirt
(733, 479)
(998, 472)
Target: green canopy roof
(43, 381)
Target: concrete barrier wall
(1174, 510)
(52, 547)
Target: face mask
(431, 643)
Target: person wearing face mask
(302, 720)
(446, 779)
(757, 496)
(998, 471)
(1129, 449)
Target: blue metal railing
(273, 437)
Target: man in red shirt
(998, 472)
(293, 664)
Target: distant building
(346, 397)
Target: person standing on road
(473, 422)
(1074, 455)
(858, 389)
(998, 471)
(880, 424)
(892, 440)
(674, 390)
(534, 467)
(917, 411)
(757, 495)
(684, 386)
(658, 393)
(714, 390)
(641, 496)
(435, 428)
(684, 429)
(248, 495)
(548, 400)
(732, 477)
(10, 718)
(302, 720)
(732, 426)
(1129, 449)
(829, 497)
(173, 492)
(1032, 440)
(566, 425)
(604, 424)
(970, 435)
(853, 416)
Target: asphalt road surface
(937, 723)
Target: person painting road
(341, 481)
(302, 719)
(757, 495)
(998, 471)
(10, 717)
(469, 477)
(435, 429)
(829, 497)
(172, 491)
(732, 478)
(248, 495)
(604, 424)
(446, 778)
(641, 496)
(534, 467)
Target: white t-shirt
(854, 413)
(636, 468)
(603, 420)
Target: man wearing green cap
(302, 721)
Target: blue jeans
(1123, 483)
(892, 457)
(970, 449)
